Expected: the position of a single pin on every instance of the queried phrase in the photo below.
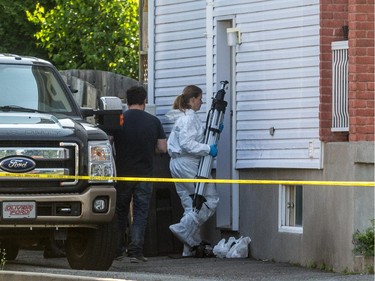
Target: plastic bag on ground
(222, 248)
(240, 249)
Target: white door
(227, 211)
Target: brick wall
(358, 15)
(361, 70)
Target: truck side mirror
(110, 103)
(109, 114)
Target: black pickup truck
(43, 133)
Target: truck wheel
(11, 249)
(92, 249)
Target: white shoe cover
(187, 230)
(187, 251)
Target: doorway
(227, 212)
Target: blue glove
(213, 150)
(221, 127)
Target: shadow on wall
(165, 209)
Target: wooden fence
(89, 85)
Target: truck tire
(92, 249)
(11, 249)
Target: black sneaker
(138, 259)
(119, 257)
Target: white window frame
(284, 194)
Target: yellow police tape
(220, 181)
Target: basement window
(290, 208)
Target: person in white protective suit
(186, 147)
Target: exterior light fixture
(233, 36)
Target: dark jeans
(141, 194)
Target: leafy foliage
(16, 32)
(364, 241)
(90, 34)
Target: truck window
(17, 87)
(34, 87)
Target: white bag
(240, 248)
(222, 248)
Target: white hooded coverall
(186, 147)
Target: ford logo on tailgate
(17, 164)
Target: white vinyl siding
(179, 57)
(276, 74)
(277, 83)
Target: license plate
(19, 210)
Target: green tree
(90, 34)
(16, 32)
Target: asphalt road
(169, 269)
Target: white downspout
(151, 52)
(235, 173)
(209, 51)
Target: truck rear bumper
(62, 210)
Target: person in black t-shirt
(140, 136)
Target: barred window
(340, 99)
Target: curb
(33, 276)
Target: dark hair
(136, 95)
(182, 101)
